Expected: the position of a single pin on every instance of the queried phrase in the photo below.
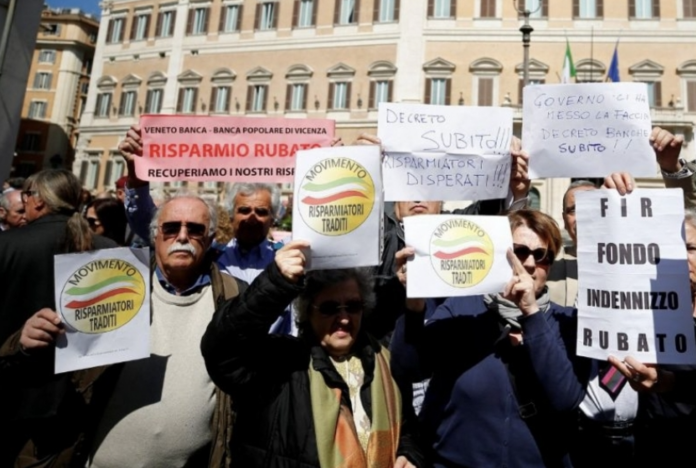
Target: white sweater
(161, 410)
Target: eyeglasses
(93, 222)
(541, 256)
(28, 193)
(331, 308)
(261, 212)
(173, 228)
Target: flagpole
(592, 53)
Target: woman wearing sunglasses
(504, 377)
(325, 399)
(107, 217)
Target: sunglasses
(331, 308)
(93, 222)
(261, 212)
(173, 228)
(540, 255)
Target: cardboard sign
(457, 255)
(229, 149)
(338, 206)
(103, 299)
(633, 279)
(434, 153)
(588, 130)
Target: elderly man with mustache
(163, 411)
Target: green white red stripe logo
(456, 248)
(336, 190)
(90, 295)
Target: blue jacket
(471, 413)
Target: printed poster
(633, 278)
(457, 255)
(338, 206)
(103, 300)
(227, 149)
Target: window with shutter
(689, 9)
(691, 96)
(487, 9)
(485, 91)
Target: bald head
(12, 210)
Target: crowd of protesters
(256, 362)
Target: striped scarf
(337, 439)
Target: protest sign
(457, 255)
(588, 130)
(229, 149)
(633, 279)
(338, 206)
(445, 152)
(103, 299)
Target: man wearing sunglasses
(164, 409)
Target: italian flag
(568, 65)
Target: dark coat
(26, 269)
(267, 376)
(489, 403)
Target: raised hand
(520, 288)
(290, 260)
(667, 149)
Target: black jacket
(267, 377)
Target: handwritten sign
(103, 299)
(633, 279)
(457, 255)
(231, 149)
(435, 153)
(588, 130)
(338, 206)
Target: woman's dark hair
(60, 190)
(112, 216)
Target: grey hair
(248, 189)
(318, 280)
(690, 216)
(212, 214)
(574, 185)
(5, 200)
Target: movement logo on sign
(336, 196)
(102, 296)
(461, 253)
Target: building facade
(339, 59)
(56, 90)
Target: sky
(88, 6)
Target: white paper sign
(633, 279)
(435, 153)
(588, 130)
(103, 299)
(457, 255)
(338, 206)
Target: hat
(121, 183)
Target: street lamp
(526, 30)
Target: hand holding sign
(290, 260)
(131, 148)
(40, 330)
(520, 288)
(642, 377)
(400, 265)
(519, 177)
